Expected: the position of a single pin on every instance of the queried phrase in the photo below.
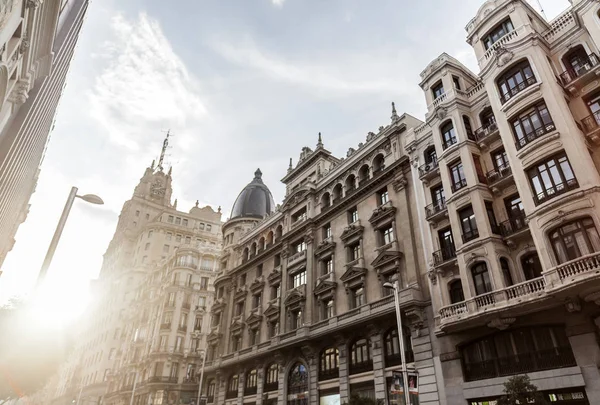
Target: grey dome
(254, 201)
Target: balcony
(591, 127)
(271, 386)
(575, 271)
(515, 224)
(250, 390)
(361, 367)
(296, 258)
(574, 78)
(485, 135)
(517, 89)
(444, 256)
(157, 379)
(532, 136)
(458, 185)
(186, 305)
(165, 326)
(182, 328)
(325, 375)
(470, 235)
(396, 360)
(558, 357)
(231, 394)
(499, 177)
(429, 170)
(555, 191)
(435, 210)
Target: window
(177, 220)
(296, 319)
(517, 351)
(273, 328)
(299, 215)
(166, 248)
(275, 291)
(259, 270)
(188, 240)
(457, 176)
(497, 32)
(147, 216)
(551, 178)
(254, 336)
(171, 299)
(137, 213)
(239, 308)
(387, 235)
(575, 239)
(111, 354)
(251, 380)
(327, 309)
(188, 280)
(201, 226)
(326, 266)
(358, 297)
(327, 231)
(392, 347)
(456, 82)
(456, 292)
(243, 279)
(468, 128)
(448, 135)
(479, 169)
(382, 196)
(198, 323)
(202, 302)
(515, 80)
(489, 209)
(150, 234)
(430, 155)
(147, 246)
(360, 357)
(174, 370)
(232, 387)
(329, 361)
(256, 299)
(500, 160)
(297, 382)
(203, 283)
(236, 343)
(299, 279)
(531, 124)
(300, 247)
(208, 227)
(177, 238)
(354, 252)
(169, 236)
(481, 278)
(185, 222)
(352, 215)
(468, 224)
(437, 196)
(271, 378)
(163, 342)
(508, 281)
(437, 90)
(170, 219)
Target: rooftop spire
(394, 117)
(290, 168)
(163, 151)
(257, 174)
(320, 142)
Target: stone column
(378, 366)
(220, 388)
(587, 355)
(423, 352)
(313, 375)
(343, 367)
(260, 376)
(283, 319)
(241, 385)
(282, 381)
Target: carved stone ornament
(441, 113)
(6, 8)
(503, 56)
(501, 323)
(572, 305)
(33, 4)
(432, 276)
(20, 92)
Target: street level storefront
(570, 396)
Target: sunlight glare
(58, 302)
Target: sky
(240, 84)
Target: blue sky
(241, 84)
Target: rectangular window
(437, 90)
(358, 297)
(300, 247)
(468, 224)
(163, 342)
(532, 124)
(111, 354)
(352, 215)
(178, 238)
(188, 240)
(299, 215)
(198, 324)
(497, 32)
(203, 283)
(208, 227)
(175, 368)
(456, 82)
(387, 235)
(500, 160)
(195, 345)
(327, 231)
(354, 252)
(273, 328)
(201, 226)
(382, 196)
(296, 319)
(299, 279)
(202, 302)
(489, 209)
(147, 246)
(166, 248)
(328, 309)
(254, 337)
(150, 234)
(239, 308)
(169, 236)
(437, 196)
(259, 270)
(137, 213)
(170, 219)
(171, 300)
(177, 220)
(479, 169)
(256, 299)
(275, 291)
(185, 222)
(457, 177)
(327, 266)
(178, 343)
(551, 178)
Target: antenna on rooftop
(539, 3)
(164, 150)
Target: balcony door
(532, 268)
(446, 243)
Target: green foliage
(358, 400)
(29, 353)
(519, 390)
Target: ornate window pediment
(354, 276)
(214, 337)
(327, 246)
(352, 232)
(296, 295)
(293, 199)
(253, 320)
(275, 276)
(237, 326)
(382, 215)
(272, 311)
(325, 288)
(387, 262)
(258, 284)
(218, 306)
(240, 293)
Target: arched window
(210, 392)
(508, 281)
(378, 163)
(253, 249)
(430, 155)
(455, 289)
(278, 233)
(250, 383)
(262, 243)
(517, 351)
(481, 278)
(575, 239)
(487, 118)
(391, 347)
(468, 128)
(350, 183)
(297, 384)
(577, 62)
(363, 174)
(245, 254)
(270, 238)
(360, 357)
(329, 363)
(232, 387)
(337, 193)
(272, 378)
(325, 200)
(514, 80)
(448, 135)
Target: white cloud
(278, 3)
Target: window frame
(539, 179)
(523, 124)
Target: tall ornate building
(508, 161)
(37, 40)
(301, 314)
(147, 324)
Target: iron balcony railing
(361, 367)
(535, 134)
(554, 191)
(329, 374)
(501, 172)
(514, 224)
(469, 235)
(485, 131)
(396, 359)
(449, 142)
(250, 390)
(557, 357)
(586, 64)
(458, 185)
(273, 386)
(428, 167)
(435, 208)
(513, 91)
(591, 123)
(443, 255)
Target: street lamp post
(396, 289)
(91, 198)
(201, 376)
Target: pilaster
(342, 346)
(378, 366)
(260, 377)
(587, 355)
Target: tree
(519, 390)
(358, 400)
